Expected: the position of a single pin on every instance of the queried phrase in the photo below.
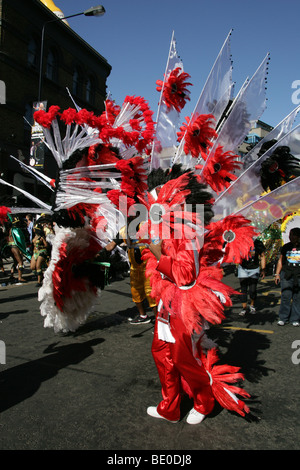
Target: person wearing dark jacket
(288, 275)
(249, 272)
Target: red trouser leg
(189, 368)
(174, 360)
(169, 377)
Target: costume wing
(248, 107)
(214, 97)
(275, 134)
(167, 121)
(248, 189)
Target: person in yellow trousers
(139, 283)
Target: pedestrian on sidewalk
(288, 275)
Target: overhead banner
(37, 147)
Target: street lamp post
(93, 11)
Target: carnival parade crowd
(175, 257)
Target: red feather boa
(197, 302)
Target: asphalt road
(89, 390)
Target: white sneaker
(296, 323)
(252, 309)
(194, 417)
(243, 312)
(152, 411)
(280, 323)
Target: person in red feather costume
(186, 282)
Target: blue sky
(134, 36)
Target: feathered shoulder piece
(234, 236)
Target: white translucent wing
(277, 133)
(246, 109)
(273, 206)
(214, 96)
(247, 188)
(167, 121)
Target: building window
(77, 82)
(51, 65)
(90, 91)
(32, 53)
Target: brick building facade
(68, 62)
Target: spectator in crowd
(29, 221)
(288, 275)
(249, 272)
(39, 253)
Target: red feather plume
(223, 376)
(217, 172)
(175, 92)
(198, 133)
